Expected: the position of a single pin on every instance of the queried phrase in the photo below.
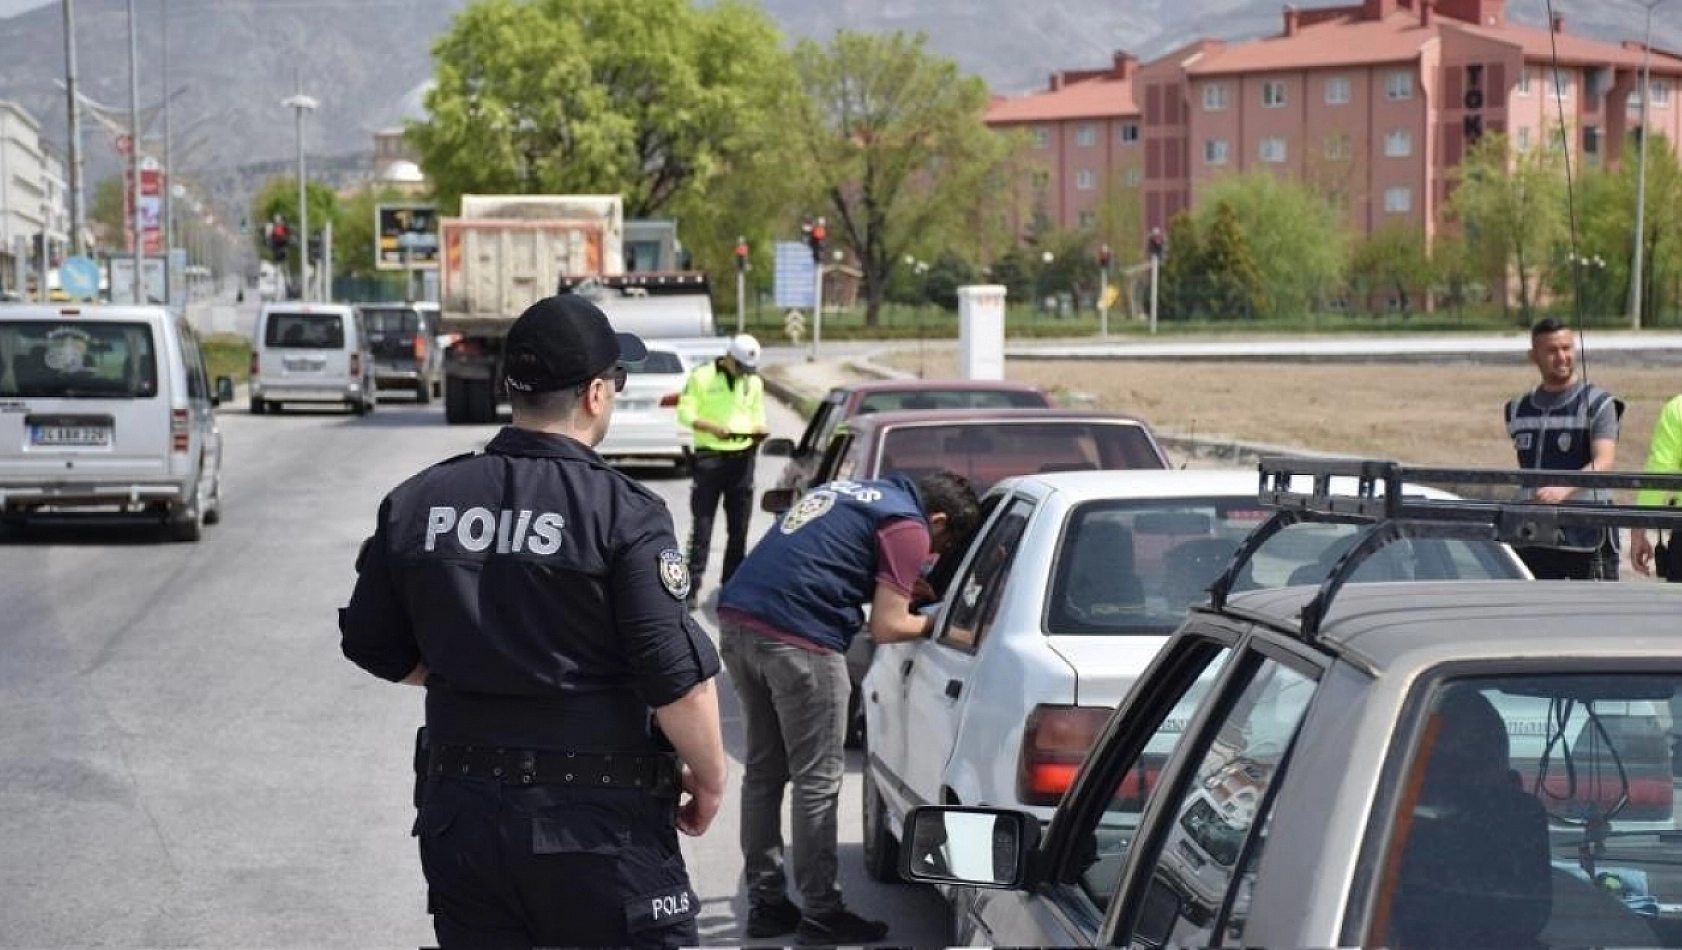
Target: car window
(829, 468)
(817, 430)
(305, 331)
(975, 599)
(986, 452)
(1135, 566)
(196, 387)
(1535, 804)
(1109, 831)
(658, 361)
(77, 359)
(1223, 805)
(951, 399)
(391, 321)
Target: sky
(13, 7)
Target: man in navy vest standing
(1566, 424)
(786, 617)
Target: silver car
(1424, 765)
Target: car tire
(273, 408)
(186, 522)
(881, 848)
(213, 514)
(481, 402)
(423, 393)
(258, 407)
(455, 401)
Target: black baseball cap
(562, 341)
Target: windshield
(1540, 802)
(1127, 567)
(391, 321)
(950, 399)
(305, 331)
(662, 362)
(77, 359)
(985, 452)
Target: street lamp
(1046, 258)
(1641, 170)
(300, 104)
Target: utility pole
(74, 114)
(166, 186)
(136, 230)
(1641, 172)
(300, 104)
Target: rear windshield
(987, 452)
(1136, 566)
(950, 399)
(77, 360)
(305, 331)
(391, 321)
(658, 361)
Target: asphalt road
(187, 759)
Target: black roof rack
(1379, 499)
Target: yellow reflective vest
(710, 394)
(1665, 453)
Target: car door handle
(953, 688)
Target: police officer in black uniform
(1566, 424)
(537, 593)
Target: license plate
(300, 365)
(95, 436)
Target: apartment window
(1086, 135)
(1085, 180)
(1398, 144)
(1042, 136)
(1398, 85)
(1661, 93)
(1398, 200)
(1339, 147)
(1524, 138)
(1562, 84)
(1088, 219)
(1524, 81)
(1591, 140)
(1041, 179)
(1273, 93)
(1132, 177)
(1129, 132)
(1337, 91)
(1273, 149)
(1214, 152)
(1214, 96)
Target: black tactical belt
(652, 772)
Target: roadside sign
(78, 277)
(406, 232)
(793, 275)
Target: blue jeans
(794, 707)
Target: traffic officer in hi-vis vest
(537, 593)
(1566, 424)
(724, 402)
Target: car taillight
(179, 435)
(465, 346)
(356, 364)
(1055, 740)
(255, 363)
(668, 400)
(420, 348)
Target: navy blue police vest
(1559, 439)
(815, 569)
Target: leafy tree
(1014, 273)
(893, 148)
(353, 230)
(1606, 211)
(1453, 271)
(948, 272)
(1294, 235)
(1392, 260)
(1120, 219)
(1513, 210)
(106, 211)
(1181, 278)
(1236, 287)
(279, 196)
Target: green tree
(1453, 271)
(1606, 210)
(1513, 211)
(893, 149)
(353, 230)
(1120, 218)
(948, 272)
(1294, 234)
(1181, 280)
(1391, 262)
(279, 196)
(1012, 271)
(1236, 287)
(106, 211)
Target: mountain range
(231, 62)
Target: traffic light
(315, 247)
(816, 232)
(279, 238)
(1156, 245)
(1104, 257)
(741, 254)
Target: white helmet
(744, 349)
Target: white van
(311, 353)
(107, 407)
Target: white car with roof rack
(107, 408)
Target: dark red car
(889, 395)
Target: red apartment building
(1376, 103)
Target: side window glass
(1221, 809)
(195, 370)
(1097, 868)
(977, 594)
(817, 429)
(829, 468)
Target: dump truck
(505, 252)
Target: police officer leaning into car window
(1566, 424)
(537, 594)
(724, 402)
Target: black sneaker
(840, 926)
(773, 920)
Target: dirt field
(1443, 415)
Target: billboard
(793, 274)
(122, 280)
(406, 227)
(150, 207)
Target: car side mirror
(777, 500)
(224, 391)
(781, 447)
(976, 847)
